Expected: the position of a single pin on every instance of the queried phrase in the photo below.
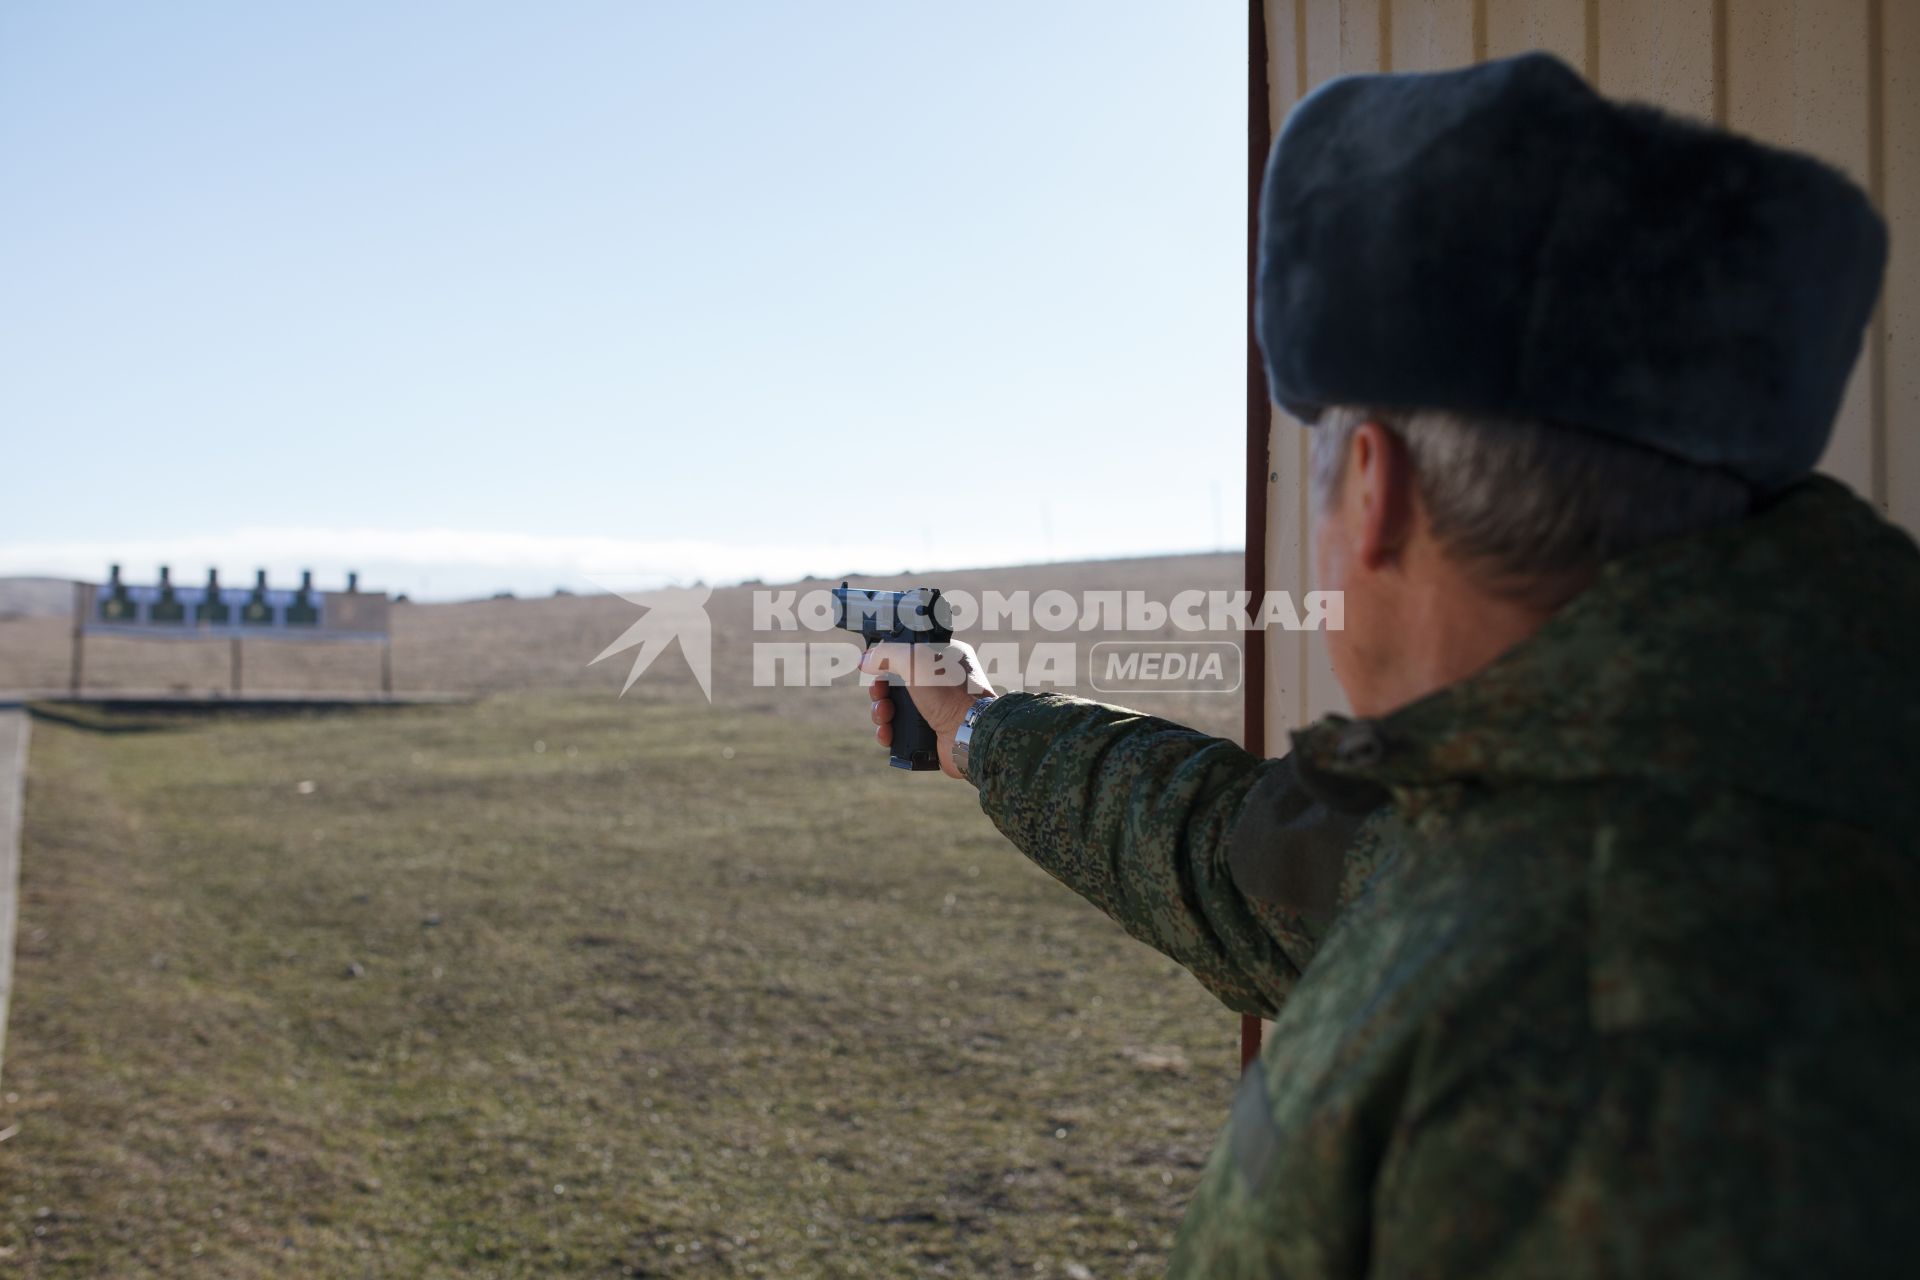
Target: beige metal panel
(1321, 30)
(1340, 36)
(1798, 75)
(1899, 348)
(1363, 43)
(1659, 51)
(1558, 26)
(1430, 35)
(1286, 58)
(1287, 570)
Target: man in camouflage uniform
(1591, 937)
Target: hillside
(547, 644)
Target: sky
(478, 297)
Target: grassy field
(562, 985)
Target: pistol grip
(914, 744)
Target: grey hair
(1531, 504)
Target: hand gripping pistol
(914, 617)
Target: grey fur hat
(1503, 240)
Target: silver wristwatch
(963, 736)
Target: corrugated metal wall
(1840, 78)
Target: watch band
(963, 737)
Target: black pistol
(919, 616)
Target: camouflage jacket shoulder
(1599, 962)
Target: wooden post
(233, 655)
(1253, 656)
(386, 666)
(76, 671)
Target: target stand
(164, 611)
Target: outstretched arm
(1215, 857)
(1136, 815)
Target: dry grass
(637, 987)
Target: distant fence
(164, 611)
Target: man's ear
(1382, 478)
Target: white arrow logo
(672, 613)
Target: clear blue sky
(479, 295)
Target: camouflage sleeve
(1136, 814)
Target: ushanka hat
(1503, 240)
